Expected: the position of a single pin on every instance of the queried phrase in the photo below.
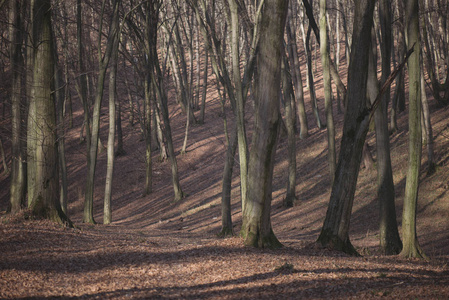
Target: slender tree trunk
(325, 58)
(411, 246)
(93, 149)
(17, 190)
(431, 165)
(59, 97)
(147, 135)
(107, 209)
(296, 71)
(226, 219)
(204, 94)
(312, 94)
(288, 93)
(162, 98)
(240, 108)
(256, 226)
(31, 132)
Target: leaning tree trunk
(335, 231)
(256, 227)
(411, 246)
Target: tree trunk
(93, 149)
(325, 58)
(240, 107)
(17, 190)
(431, 165)
(107, 209)
(296, 71)
(45, 202)
(411, 246)
(226, 219)
(390, 242)
(335, 231)
(288, 93)
(256, 227)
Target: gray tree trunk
(256, 227)
(45, 202)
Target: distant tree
(256, 226)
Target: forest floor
(159, 249)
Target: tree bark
(288, 93)
(335, 231)
(410, 240)
(107, 209)
(45, 202)
(256, 227)
(325, 59)
(93, 149)
(18, 179)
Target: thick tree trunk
(45, 202)
(256, 227)
(335, 231)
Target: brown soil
(157, 249)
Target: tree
(45, 197)
(410, 240)
(390, 241)
(335, 230)
(256, 227)
(18, 179)
(93, 147)
(289, 107)
(107, 214)
(325, 58)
